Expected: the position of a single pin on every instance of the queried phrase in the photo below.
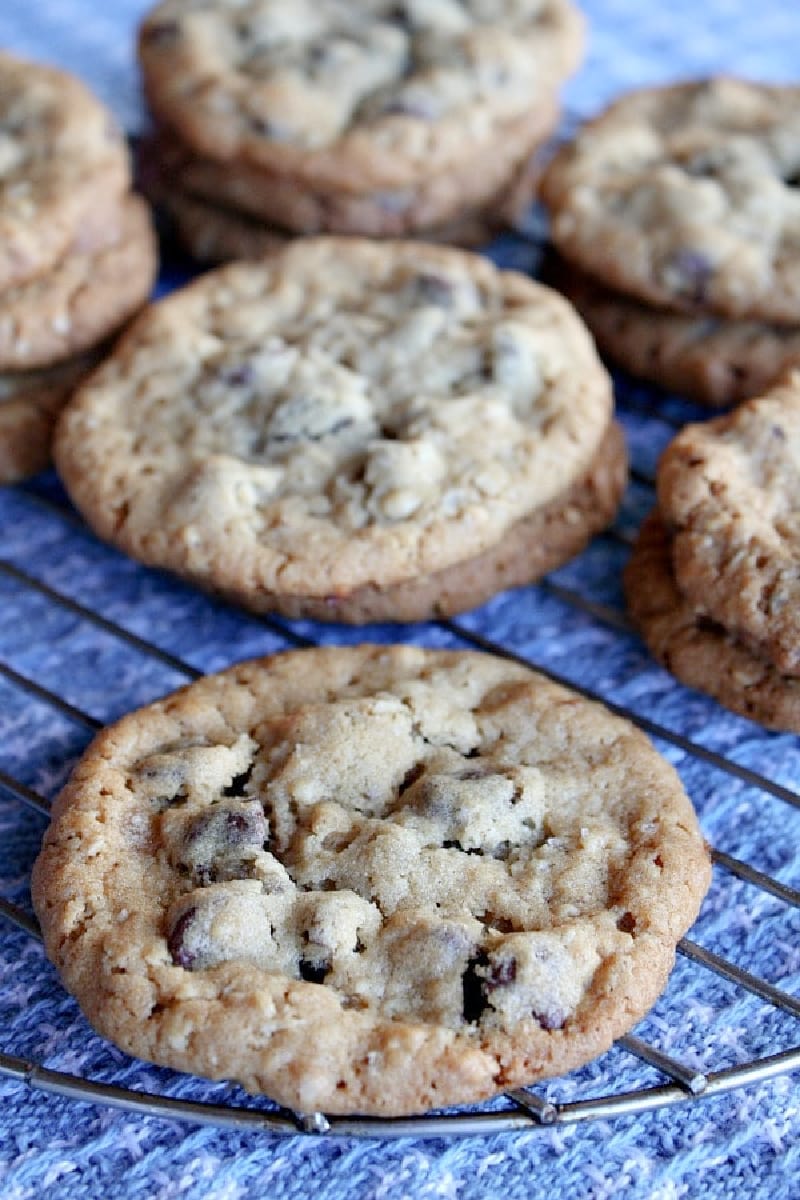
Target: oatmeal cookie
(686, 197)
(372, 879)
(84, 297)
(697, 650)
(729, 491)
(29, 404)
(63, 167)
(343, 415)
(363, 96)
(714, 361)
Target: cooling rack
(73, 607)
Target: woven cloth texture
(743, 1143)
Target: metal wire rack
(678, 1080)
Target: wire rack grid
(86, 635)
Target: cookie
(83, 298)
(343, 415)
(697, 650)
(29, 404)
(533, 546)
(283, 200)
(359, 97)
(729, 491)
(63, 167)
(217, 231)
(709, 359)
(372, 879)
(686, 197)
(214, 234)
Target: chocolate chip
(238, 784)
(313, 972)
(626, 923)
(502, 974)
(435, 289)
(230, 827)
(694, 271)
(474, 1001)
(454, 845)
(419, 107)
(181, 955)
(266, 128)
(551, 1020)
(241, 375)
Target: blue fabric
(743, 1144)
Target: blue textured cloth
(742, 1144)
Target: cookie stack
(676, 213)
(713, 580)
(350, 430)
(348, 116)
(77, 255)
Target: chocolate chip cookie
(356, 97)
(29, 404)
(729, 491)
(686, 197)
(373, 879)
(698, 650)
(714, 361)
(84, 297)
(63, 167)
(342, 419)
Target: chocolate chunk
(229, 828)
(181, 955)
(626, 923)
(313, 972)
(474, 1002)
(502, 973)
(238, 784)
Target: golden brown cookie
(344, 415)
(359, 97)
(686, 197)
(697, 650)
(372, 879)
(84, 297)
(709, 359)
(29, 404)
(63, 167)
(729, 491)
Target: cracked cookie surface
(360, 96)
(375, 879)
(344, 414)
(687, 197)
(729, 491)
(63, 167)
